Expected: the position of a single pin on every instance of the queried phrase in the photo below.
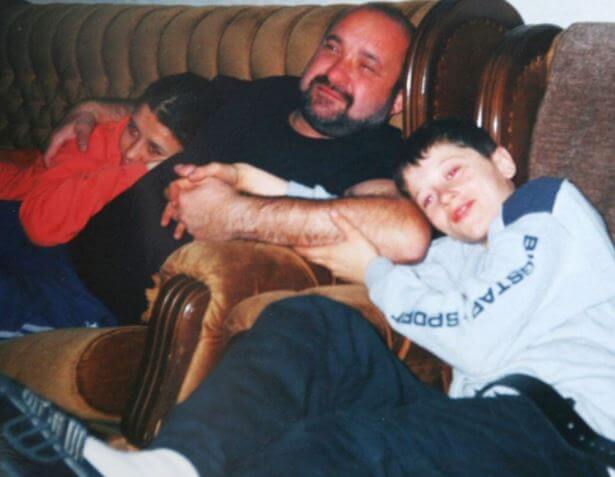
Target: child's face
(146, 140)
(460, 191)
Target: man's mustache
(324, 80)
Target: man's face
(145, 139)
(350, 82)
(460, 191)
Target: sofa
(469, 58)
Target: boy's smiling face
(461, 191)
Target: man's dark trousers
(311, 390)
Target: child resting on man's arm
(523, 283)
(59, 199)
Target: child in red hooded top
(59, 199)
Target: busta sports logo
(482, 302)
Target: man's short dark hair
(181, 102)
(457, 132)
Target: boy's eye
(452, 172)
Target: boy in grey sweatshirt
(523, 281)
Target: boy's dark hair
(458, 132)
(181, 102)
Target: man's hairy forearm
(394, 225)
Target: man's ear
(504, 162)
(398, 104)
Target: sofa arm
(232, 271)
(187, 318)
(87, 371)
(237, 269)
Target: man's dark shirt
(124, 244)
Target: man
(330, 130)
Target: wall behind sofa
(559, 12)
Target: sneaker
(37, 438)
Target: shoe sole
(40, 432)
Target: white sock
(111, 462)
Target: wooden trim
(449, 48)
(174, 329)
(511, 89)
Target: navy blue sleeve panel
(537, 195)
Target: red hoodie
(77, 185)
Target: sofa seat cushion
(90, 372)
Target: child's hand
(225, 172)
(170, 211)
(347, 259)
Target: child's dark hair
(181, 102)
(458, 132)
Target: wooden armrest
(232, 271)
(237, 269)
(198, 286)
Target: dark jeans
(38, 286)
(312, 391)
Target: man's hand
(77, 125)
(347, 259)
(203, 210)
(242, 177)
(171, 210)
(191, 177)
